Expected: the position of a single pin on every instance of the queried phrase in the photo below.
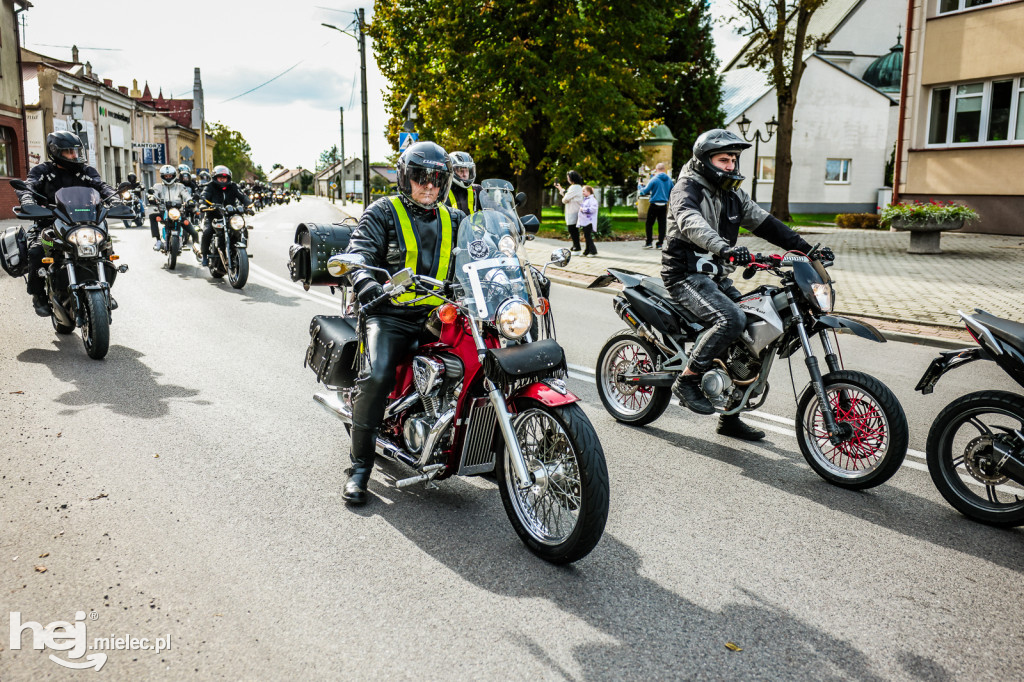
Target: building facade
(962, 111)
(13, 149)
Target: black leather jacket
(47, 178)
(223, 197)
(375, 238)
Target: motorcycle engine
(742, 364)
(717, 386)
(438, 382)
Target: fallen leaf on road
(98, 497)
(44, 555)
(41, 569)
(732, 647)
(14, 558)
(17, 393)
(59, 433)
(157, 455)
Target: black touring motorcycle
(850, 427)
(228, 255)
(78, 260)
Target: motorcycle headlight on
(126, 196)
(87, 240)
(237, 222)
(513, 318)
(824, 296)
(173, 214)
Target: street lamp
(360, 37)
(744, 125)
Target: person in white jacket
(572, 197)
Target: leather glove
(369, 293)
(825, 253)
(736, 255)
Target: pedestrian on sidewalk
(572, 197)
(659, 187)
(587, 222)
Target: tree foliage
(537, 88)
(778, 30)
(231, 150)
(328, 158)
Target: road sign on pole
(405, 139)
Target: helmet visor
(74, 154)
(222, 179)
(429, 176)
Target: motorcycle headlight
(824, 296)
(174, 214)
(507, 245)
(126, 195)
(513, 318)
(86, 236)
(237, 222)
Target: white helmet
(169, 174)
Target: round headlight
(513, 318)
(824, 296)
(174, 214)
(126, 195)
(237, 222)
(507, 246)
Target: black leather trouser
(36, 284)
(388, 339)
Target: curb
(897, 336)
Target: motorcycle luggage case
(333, 350)
(314, 244)
(14, 251)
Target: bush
(604, 227)
(858, 221)
(920, 212)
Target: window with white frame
(766, 169)
(947, 6)
(837, 171)
(977, 113)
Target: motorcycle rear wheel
(240, 273)
(96, 332)
(961, 464)
(880, 432)
(630, 404)
(561, 517)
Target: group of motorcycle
(489, 398)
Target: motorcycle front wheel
(879, 434)
(627, 353)
(561, 517)
(239, 274)
(173, 249)
(96, 331)
(963, 461)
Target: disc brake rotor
(979, 459)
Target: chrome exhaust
(332, 404)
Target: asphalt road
(187, 487)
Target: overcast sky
(238, 46)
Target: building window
(766, 169)
(947, 6)
(6, 152)
(974, 113)
(837, 171)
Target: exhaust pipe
(334, 406)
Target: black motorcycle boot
(687, 389)
(41, 305)
(732, 426)
(363, 442)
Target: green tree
(778, 31)
(690, 86)
(540, 87)
(328, 158)
(231, 150)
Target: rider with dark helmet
(66, 168)
(706, 210)
(464, 195)
(221, 191)
(413, 229)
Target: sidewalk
(908, 297)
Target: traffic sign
(406, 139)
(334, 185)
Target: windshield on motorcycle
(81, 204)
(489, 261)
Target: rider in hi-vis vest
(412, 229)
(463, 195)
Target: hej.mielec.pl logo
(71, 637)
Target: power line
(272, 79)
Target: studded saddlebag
(333, 350)
(314, 244)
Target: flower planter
(924, 235)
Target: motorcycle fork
(835, 437)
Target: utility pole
(366, 122)
(344, 170)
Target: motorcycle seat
(1008, 331)
(656, 286)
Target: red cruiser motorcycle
(488, 397)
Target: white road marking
(290, 287)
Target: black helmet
(463, 160)
(185, 177)
(132, 178)
(719, 141)
(219, 171)
(62, 141)
(204, 177)
(425, 163)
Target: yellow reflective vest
(442, 254)
(470, 202)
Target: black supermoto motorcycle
(132, 198)
(851, 428)
(228, 255)
(976, 443)
(78, 260)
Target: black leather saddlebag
(14, 251)
(314, 244)
(531, 361)
(333, 350)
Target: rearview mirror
(530, 223)
(19, 184)
(520, 199)
(344, 263)
(560, 257)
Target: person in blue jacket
(659, 187)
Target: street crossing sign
(405, 139)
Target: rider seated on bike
(219, 192)
(390, 232)
(169, 190)
(706, 210)
(66, 168)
